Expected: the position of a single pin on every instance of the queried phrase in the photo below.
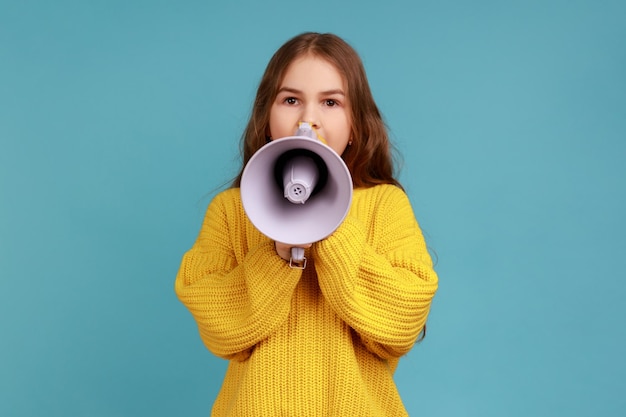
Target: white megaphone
(296, 190)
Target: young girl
(324, 340)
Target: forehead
(313, 71)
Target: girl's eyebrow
(323, 93)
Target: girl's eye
(291, 100)
(330, 102)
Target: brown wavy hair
(370, 156)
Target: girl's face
(312, 91)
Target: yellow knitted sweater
(323, 341)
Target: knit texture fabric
(323, 341)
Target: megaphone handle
(297, 259)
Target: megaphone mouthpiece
(305, 129)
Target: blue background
(120, 119)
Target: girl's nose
(311, 116)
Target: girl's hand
(284, 250)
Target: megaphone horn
(296, 190)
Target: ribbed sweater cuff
(273, 278)
(343, 249)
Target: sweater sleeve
(379, 277)
(238, 296)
